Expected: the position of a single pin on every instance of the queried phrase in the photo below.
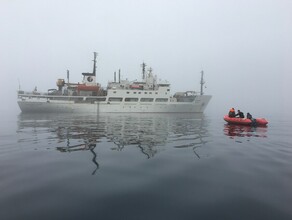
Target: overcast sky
(244, 46)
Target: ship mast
(68, 76)
(94, 64)
(90, 78)
(202, 82)
(143, 65)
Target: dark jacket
(240, 114)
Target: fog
(244, 47)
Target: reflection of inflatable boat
(233, 130)
(245, 121)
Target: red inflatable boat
(245, 121)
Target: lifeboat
(246, 121)
(136, 86)
(83, 87)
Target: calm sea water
(143, 166)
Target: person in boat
(231, 113)
(248, 116)
(253, 120)
(239, 114)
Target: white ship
(148, 95)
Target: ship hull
(67, 106)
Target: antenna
(68, 76)
(202, 82)
(18, 84)
(119, 75)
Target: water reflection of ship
(148, 132)
(74, 133)
(151, 132)
(144, 131)
(244, 131)
(78, 147)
